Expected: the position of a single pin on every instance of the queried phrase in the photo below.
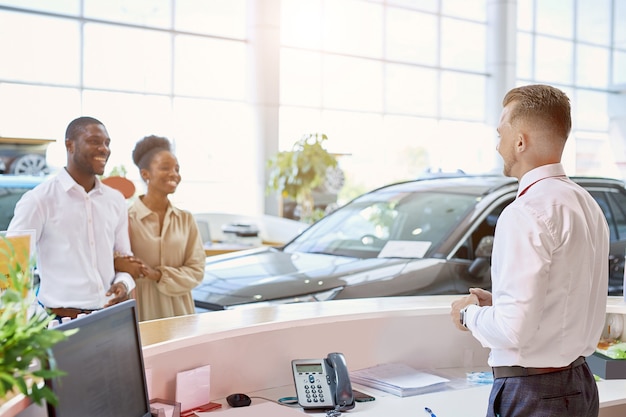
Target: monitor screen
(103, 361)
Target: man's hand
(130, 264)
(120, 291)
(458, 305)
(484, 296)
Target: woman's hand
(150, 273)
(129, 264)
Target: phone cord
(334, 413)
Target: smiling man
(549, 270)
(79, 224)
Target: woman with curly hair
(169, 256)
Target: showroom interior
(399, 89)
(397, 86)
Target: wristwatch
(125, 286)
(462, 318)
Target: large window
(586, 34)
(392, 88)
(164, 67)
(398, 86)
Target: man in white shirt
(79, 223)
(549, 270)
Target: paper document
(398, 379)
(404, 249)
(193, 387)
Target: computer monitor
(104, 365)
(205, 232)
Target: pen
(429, 411)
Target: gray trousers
(568, 393)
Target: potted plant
(25, 339)
(296, 173)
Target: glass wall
(171, 68)
(399, 86)
(575, 45)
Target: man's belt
(69, 312)
(513, 371)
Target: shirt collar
(538, 174)
(67, 182)
(144, 211)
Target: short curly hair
(147, 147)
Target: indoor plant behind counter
(25, 339)
(298, 172)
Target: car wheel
(29, 164)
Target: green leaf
(21, 385)
(49, 396)
(24, 337)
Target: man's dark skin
(87, 155)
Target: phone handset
(340, 383)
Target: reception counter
(250, 350)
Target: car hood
(270, 274)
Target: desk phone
(323, 383)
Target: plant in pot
(25, 339)
(296, 173)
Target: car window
(613, 205)
(487, 227)
(603, 202)
(617, 203)
(363, 228)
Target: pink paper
(193, 387)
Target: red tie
(526, 189)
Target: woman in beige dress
(168, 257)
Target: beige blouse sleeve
(178, 280)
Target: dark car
(12, 187)
(429, 236)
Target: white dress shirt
(549, 275)
(77, 234)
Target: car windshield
(386, 224)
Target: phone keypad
(313, 390)
(314, 393)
